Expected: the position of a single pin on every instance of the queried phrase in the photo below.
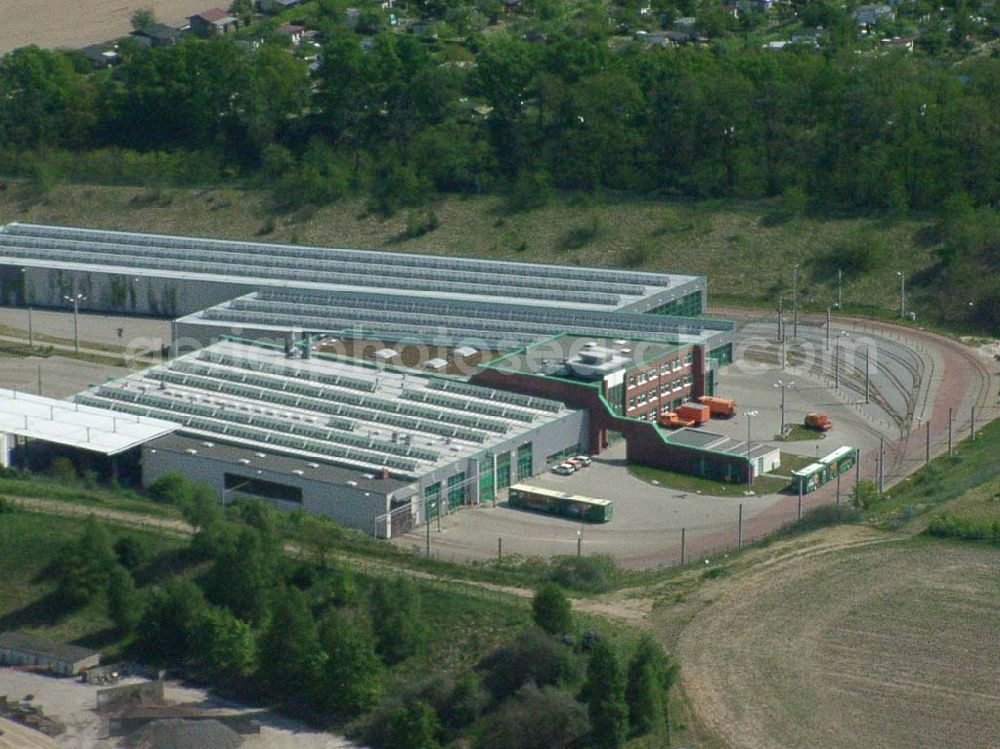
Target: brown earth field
(58, 23)
(847, 638)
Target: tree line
(400, 119)
(311, 635)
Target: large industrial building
(566, 360)
(171, 275)
(372, 448)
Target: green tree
(604, 693)
(83, 567)
(243, 577)
(413, 726)
(289, 651)
(535, 718)
(650, 675)
(394, 606)
(532, 656)
(124, 602)
(352, 673)
(143, 18)
(129, 551)
(551, 609)
(225, 644)
(167, 630)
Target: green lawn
(791, 462)
(39, 487)
(799, 433)
(698, 485)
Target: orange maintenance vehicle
(819, 422)
(670, 420)
(719, 406)
(696, 412)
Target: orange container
(696, 412)
(719, 406)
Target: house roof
(211, 15)
(158, 31)
(42, 646)
(291, 28)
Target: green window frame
(524, 461)
(432, 499)
(487, 489)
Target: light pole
(840, 288)
(75, 301)
(783, 386)
(902, 294)
(795, 301)
(828, 328)
(750, 415)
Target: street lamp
(75, 301)
(750, 415)
(783, 387)
(902, 294)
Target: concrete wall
(115, 293)
(349, 506)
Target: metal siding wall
(349, 506)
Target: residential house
(213, 22)
(100, 55)
(293, 31)
(352, 18)
(897, 42)
(157, 35)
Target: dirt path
(850, 638)
(622, 605)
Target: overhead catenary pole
(827, 328)
(683, 538)
(868, 356)
(838, 488)
(972, 426)
(881, 465)
(927, 449)
(836, 366)
(840, 288)
(739, 529)
(950, 443)
(31, 331)
(781, 332)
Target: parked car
(577, 464)
(564, 469)
(583, 460)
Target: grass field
(747, 257)
(847, 638)
(29, 543)
(696, 485)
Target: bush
(946, 525)
(531, 190)
(531, 656)
(580, 236)
(64, 471)
(534, 718)
(551, 610)
(860, 253)
(592, 574)
(170, 488)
